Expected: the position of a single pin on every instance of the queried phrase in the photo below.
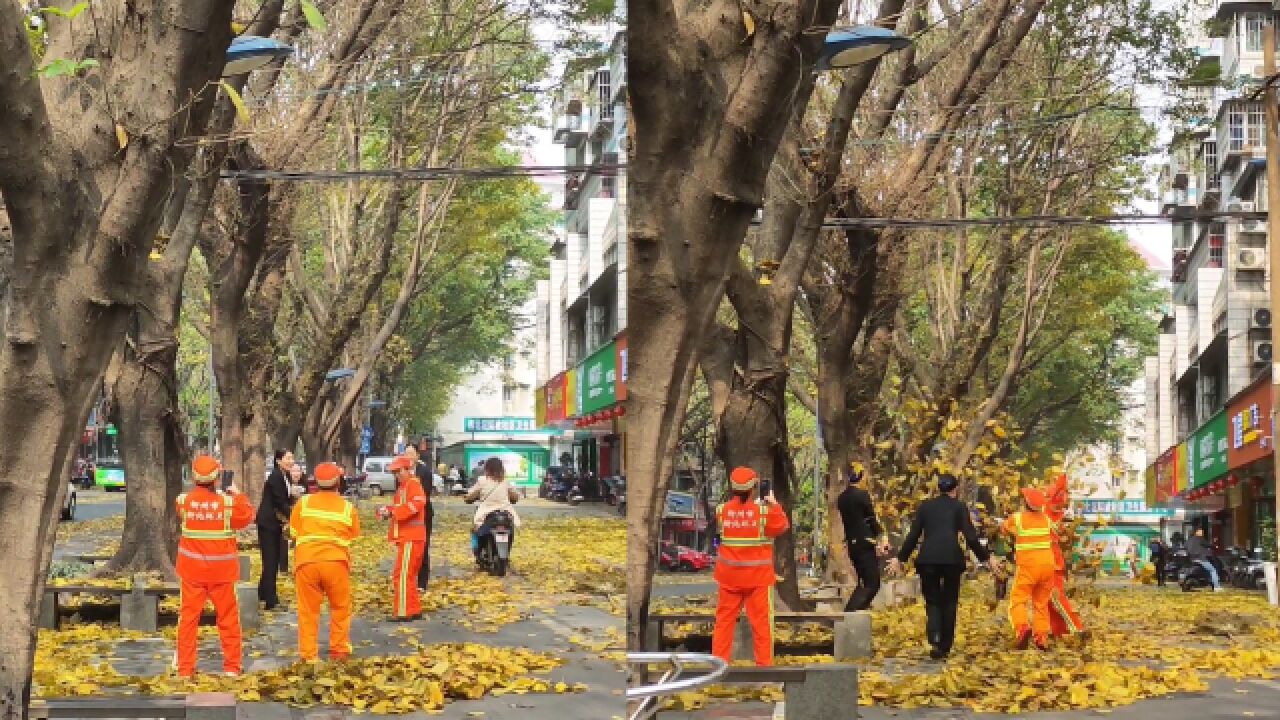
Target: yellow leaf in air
(749, 22)
(122, 136)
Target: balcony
(567, 125)
(1240, 137)
(618, 71)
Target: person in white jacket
(494, 492)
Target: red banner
(555, 399)
(1248, 425)
(1165, 477)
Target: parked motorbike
(575, 495)
(494, 538)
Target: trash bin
(1269, 573)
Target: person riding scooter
(494, 493)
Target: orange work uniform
(408, 533)
(1063, 618)
(208, 567)
(1034, 580)
(744, 572)
(323, 526)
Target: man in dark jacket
(1159, 556)
(1198, 553)
(273, 515)
(423, 471)
(862, 538)
(941, 562)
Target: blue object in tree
(249, 52)
(849, 46)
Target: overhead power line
(1034, 220)
(422, 174)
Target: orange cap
(742, 479)
(204, 470)
(328, 474)
(400, 463)
(1034, 497)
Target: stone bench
(810, 692)
(140, 606)
(246, 567)
(195, 706)
(851, 631)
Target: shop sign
(572, 400)
(1151, 485)
(499, 424)
(620, 387)
(1164, 477)
(1207, 451)
(1235, 496)
(555, 400)
(1248, 420)
(679, 505)
(597, 377)
(540, 407)
(1107, 506)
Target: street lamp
(250, 52)
(849, 46)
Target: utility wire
(423, 174)
(1034, 220)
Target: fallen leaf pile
(1143, 643)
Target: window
(606, 94)
(1253, 24)
(1211, 165)
(1257, 122)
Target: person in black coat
(1159, 556)
(273, 514)
(941, 562)
(862, 538)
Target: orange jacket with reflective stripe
(409, 513)
(747, 530)
(1034, 536)
(323, 525)
(207, 550)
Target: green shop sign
(1207, 451)
(597, 379)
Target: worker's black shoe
(1023, 638)
(938, 654)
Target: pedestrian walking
(744, 569)
(408, 533)
(425, 477)
(208, 564)
(273, 515)
(1034, 535)
(863, 538)
(1159, 556)
(941, 564)
(323, 526)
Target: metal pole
(1273, 216)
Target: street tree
(87, 157)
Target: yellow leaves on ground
(1143, 643)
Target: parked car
(376, 477)
(69, 503)
(679, 557)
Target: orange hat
(742, 479)
(1034, 497)
(400, 463)
(204, 470)
(328, 474)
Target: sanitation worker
(1063, 618)
(323, 525)
(409, 535)
(209, 564)
(744, 568)
(1033, 540)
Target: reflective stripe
(1033, 546)
(413, 523)
(343, 517)
(747, 542)
(318, 537)
(207, 558)
(744, 563)
(207, 534)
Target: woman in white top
(494, 493)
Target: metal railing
(671, 681)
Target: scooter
(575, 494)
(1198, 577)
(494, 538)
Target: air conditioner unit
(1239, 206)
(1261, 352)
(1252, 225)
(1260, 319)
(1251, 259)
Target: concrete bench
(851, 631)
(196, 706)
(140, 606)
(810, 692)
(246, 567)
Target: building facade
(1205, 387)
(581, 309)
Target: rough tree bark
(82, 214)
(710, 100)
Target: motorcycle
(494, 539)
(458, 488)
(1198, 577)
(575, 495)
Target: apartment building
(1207, 387)
(581, 310)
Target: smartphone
(228, 478)
(765, 488)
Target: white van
(376, 477)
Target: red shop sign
(1249, 426)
